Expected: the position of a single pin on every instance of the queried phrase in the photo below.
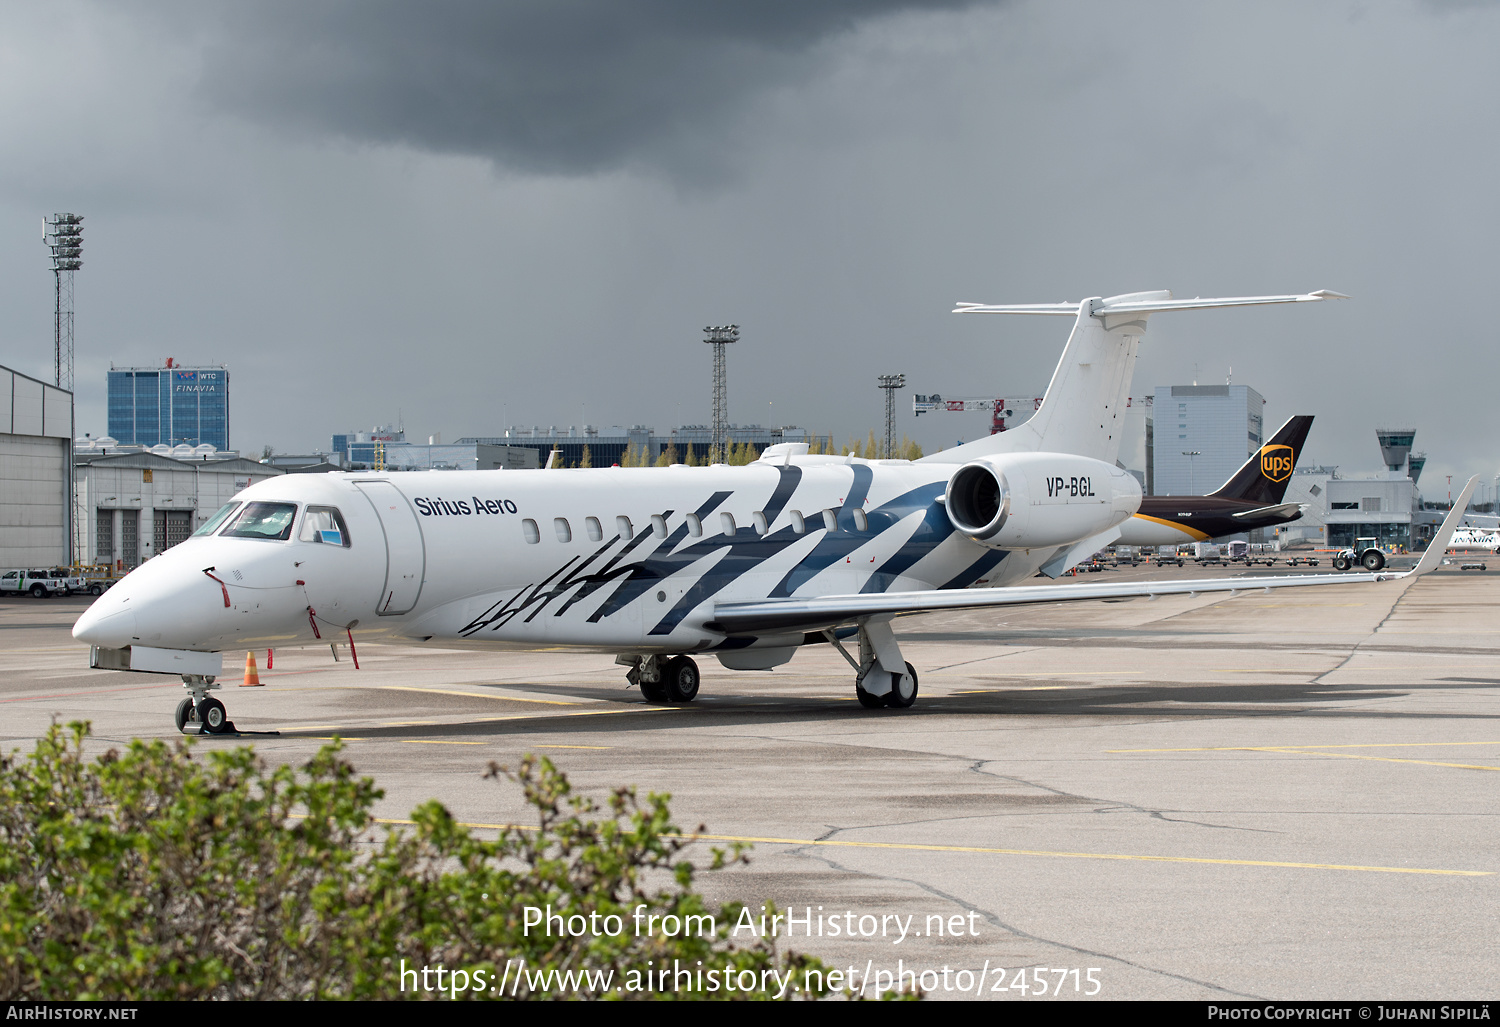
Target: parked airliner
(1250, 499)
(1467, 540)
(657, 564)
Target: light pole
(63, 235)
(718, 337)
(1190, 453)
(890, 383)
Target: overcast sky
(473, 214)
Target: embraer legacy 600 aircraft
(1250, 499)
(655, 564)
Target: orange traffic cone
(252, 675)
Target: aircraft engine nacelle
(1039, 500)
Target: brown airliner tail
(1264, 477)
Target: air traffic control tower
(1395, 446)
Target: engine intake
(978, 501)
(1038, 500)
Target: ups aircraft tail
(1081, 412)
(1264, 477)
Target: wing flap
(814, 614)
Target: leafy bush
(154, 874)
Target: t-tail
(1083, 410)
(1264, 477)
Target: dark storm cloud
(552, 86)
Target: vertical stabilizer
(1264, 477)
(1081, 411)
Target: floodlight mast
(718, 338)
(63, 235)
(890, 383)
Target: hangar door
(405, 557)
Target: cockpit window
(324, 524)
(214, 522)
(272, 521)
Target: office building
(1198, 435)
(172, 405)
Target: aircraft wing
(1290, 511)
(815, 613)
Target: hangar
(36, 429)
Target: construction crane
(1014, 409)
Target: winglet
(1439, 544)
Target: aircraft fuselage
(623, 560)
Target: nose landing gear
(200, 713)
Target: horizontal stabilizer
(1059, 309)
(1288, 511)
(1135, 303)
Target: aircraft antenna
(718, 338)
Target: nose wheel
(200, 713)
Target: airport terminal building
(608, 446)
(1384, 506)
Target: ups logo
(1276, 462)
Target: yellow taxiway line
(475, 695)
(984, 850)
(1320, 750)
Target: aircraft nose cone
(110, 625)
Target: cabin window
(531, 531)
(658, 526)
(861, 522)
(799, 524)
(695, 526)
(624, 527)
(269, 521)
(596, 532)
(830, 520)
(726, 521)
(324, 524)
(761, 527)
(563, 528)
(217, 519)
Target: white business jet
(656, 564)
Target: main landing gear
(663, 680)
(877, 682)
(200, 713)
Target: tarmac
(1282, 795)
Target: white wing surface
(815, 614)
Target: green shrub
(155, 874)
